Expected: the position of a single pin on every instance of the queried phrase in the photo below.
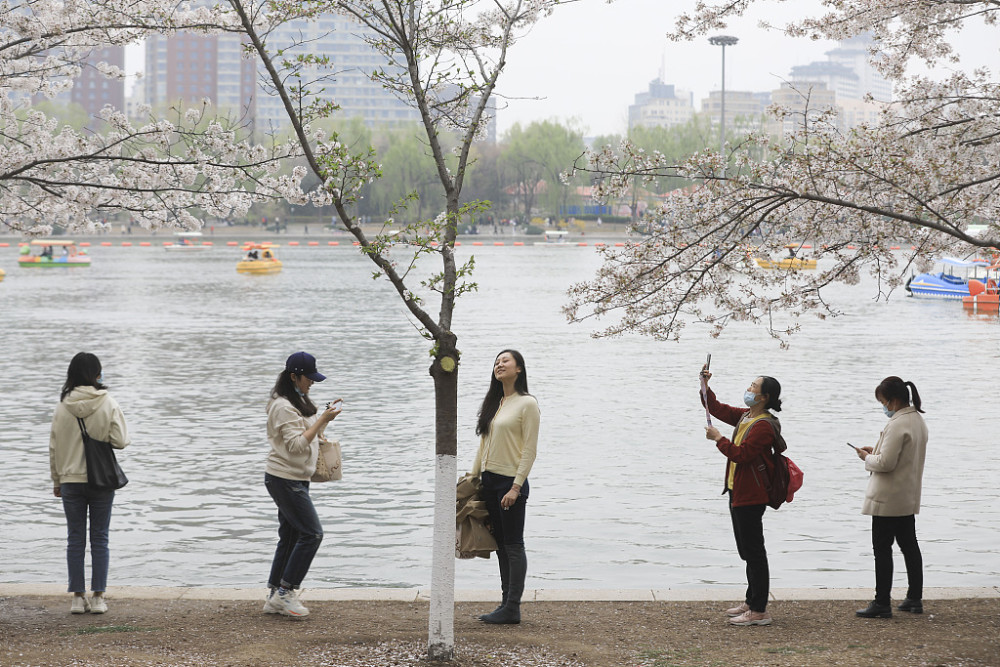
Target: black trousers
(748, 527)
(903, 531)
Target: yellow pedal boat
(790, 262)
(259, 258)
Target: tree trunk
(441, 629)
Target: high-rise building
(744, 109)
(192, 67)
(803, 100)
(848, 71)
(660, 106)
(92, 90)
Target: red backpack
(784, 478)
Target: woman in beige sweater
(896, 464)
(508, 430)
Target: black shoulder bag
(103, 471)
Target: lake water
(625, 491)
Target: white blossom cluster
(914, 180)
(160, 171)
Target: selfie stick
(704, 392)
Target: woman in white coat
(896, 464)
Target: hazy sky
(589, 59)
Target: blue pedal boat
(952, 282)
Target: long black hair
(83, 371)
(772, 388)
(285, 388)
(488, 410)
(895, 389)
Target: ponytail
(914, 395)
(895, 389)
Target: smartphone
(852, 446)
(708, 361)
(339, 403)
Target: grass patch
(790, 650)
(680, 657)
(101, 629)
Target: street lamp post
(723, 41)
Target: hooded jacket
(104, 420)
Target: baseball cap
(303, 363)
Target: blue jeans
(79, 500)
(299, 531)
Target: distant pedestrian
(751, 447)
(896, 464)
(294, 430)
(508, 430)
(84, 397)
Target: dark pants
(508, 530)
(903, 531)
(79, 502)
(508, 525)
(748, 527)
(299, 531)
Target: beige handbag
(328, 462)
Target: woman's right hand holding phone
(333, 408)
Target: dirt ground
(40, 631)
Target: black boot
(510, 613)
(875, 610)
(504, 580)
(912, 606)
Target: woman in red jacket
(747, 460)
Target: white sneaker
(98, 605)
(738, 611)
(80, 605)
(269, 605)
(288, 603)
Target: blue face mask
(299, 392)
(100, 379)
(750, 399)
(887, 411)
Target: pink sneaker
(736, 611)
(751, 618)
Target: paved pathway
(721, 593)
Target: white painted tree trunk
(441, 629)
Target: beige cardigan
(897, 466)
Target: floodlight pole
(723, 41)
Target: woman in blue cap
(294, 429)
